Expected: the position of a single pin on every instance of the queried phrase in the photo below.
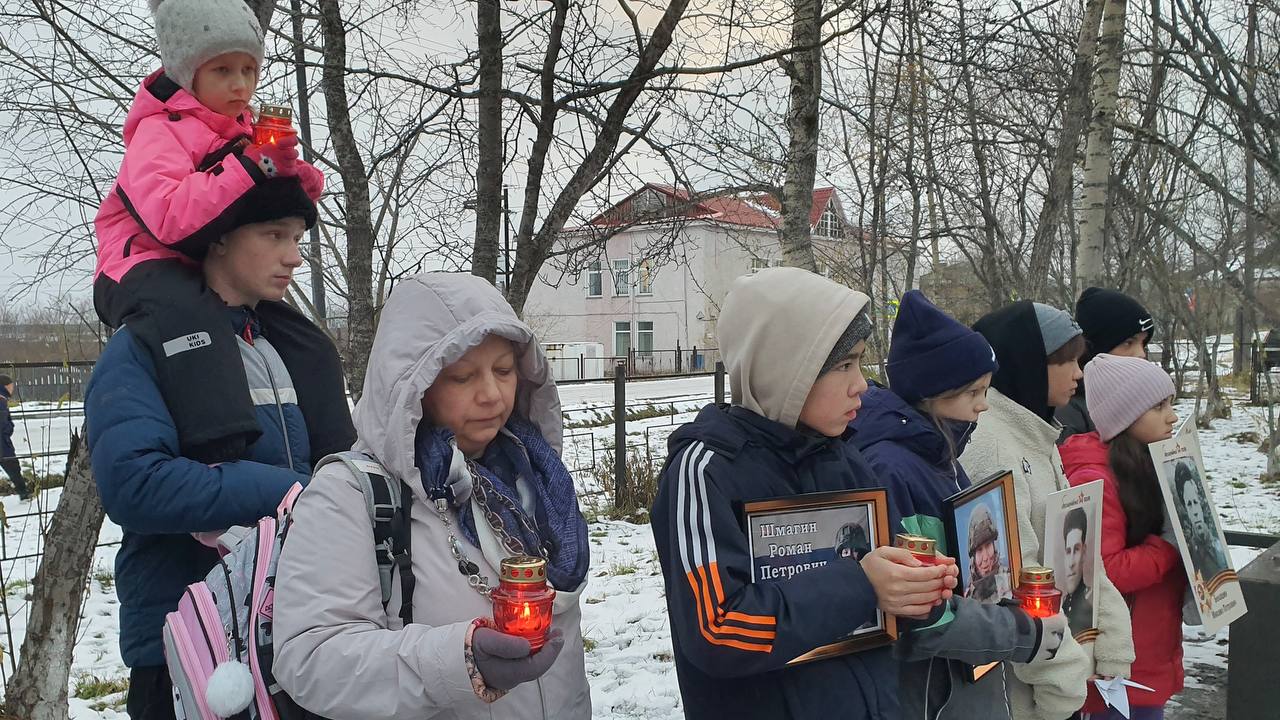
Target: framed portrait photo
(791, 535)
(982, 531)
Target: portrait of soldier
(989, 580)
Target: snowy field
(624, 615)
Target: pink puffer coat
(181, 176)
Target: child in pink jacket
(188, 163)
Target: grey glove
(504, 660)
(1052, 631)
(460, 482)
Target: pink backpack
(218, 643)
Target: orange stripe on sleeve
(711, 622)
(714, 571)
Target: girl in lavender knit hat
(1131, 403)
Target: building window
(758, 264)
(829, 225)
(644, 337)
(644, 284)
(622, 277)
(595, 281)
(621, 338)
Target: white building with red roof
(648, 275)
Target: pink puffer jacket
(181, 176)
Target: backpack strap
(388, 503)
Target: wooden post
(719, 382)
(621, 488)
(1255, 378)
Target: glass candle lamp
(522, 600)
(1037, 593)
(921, 548)
(275, 122)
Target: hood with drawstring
(429, 322)
(1014, 332)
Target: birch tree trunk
(38, 690)
(1090, 258)
(1060, 185)
(805, 70)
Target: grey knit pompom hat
(190, 33)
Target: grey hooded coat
(338, 653)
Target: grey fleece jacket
(338, 653)
(935, 662)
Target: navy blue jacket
(6, 426)
(910, 455)
(733, 637)
(158, 497)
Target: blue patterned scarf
(561, 530)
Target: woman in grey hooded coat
(458, 403)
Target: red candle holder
(522, 600)
(921, 548)
(275, 122)
(1037, 593)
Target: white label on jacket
(186, 342)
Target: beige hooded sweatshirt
(772, 353)
(338, 653)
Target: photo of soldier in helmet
(852, 541)
(987, 577)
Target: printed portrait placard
(1193, 520)
(1072, 547)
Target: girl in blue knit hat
(912, 433)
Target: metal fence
(638, 363)
(49, 382)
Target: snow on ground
(624, 613)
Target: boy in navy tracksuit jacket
(791, 341)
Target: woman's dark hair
(1139, 488)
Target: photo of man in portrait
(1077, 599)
(852, 541)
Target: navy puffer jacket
(159, 497)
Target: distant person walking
(8, 453)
